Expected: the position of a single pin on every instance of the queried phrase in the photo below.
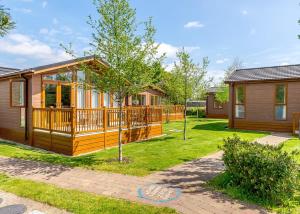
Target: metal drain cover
(158, 193)
(13, 209)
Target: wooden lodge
(48, 107)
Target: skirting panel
(217, 116)
(87, 143)
(264, 126)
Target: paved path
(11, 204)
(188, 177)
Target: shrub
(192, 111)
(262, 170)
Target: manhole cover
(13, 209)
(158, 193)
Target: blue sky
(260, 33)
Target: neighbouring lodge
(214, 109)
(50, 108)
(266, 98)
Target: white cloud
(23, 10)
(44, 4)
(83, 39)
(24, 46)
(171, 50)
(66, 30)
(222, 61)
(244, 12)
(194, 24)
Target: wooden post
(128, 111)
(73, 121)
(104, 124)
(31, 128)
(50, 119)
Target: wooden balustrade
(296, 118)
(74, 121)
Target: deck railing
(75, 121)
(296, 119)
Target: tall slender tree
(222, 94)
(132, 57)
(6, 22)
(191, 76)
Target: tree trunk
(120, 113)
(184, 129)
(185, 105)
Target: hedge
(262, 170)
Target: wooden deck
(77, 131)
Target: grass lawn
(292, 206)
(204, 137)
(74, 201)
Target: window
(280, 103)
(217, 105)
(66, 96)
(139, 100)
(63, 77)
(80, 76)
(106, 100)
(17, 93)
(155, 100)
(240, 102)
(50, 95)
(80, 97)
(95, 99)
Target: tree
(132, 58)
(190, 76)
(6, 22)
(222, 94)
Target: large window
(280, 102)
(80, 97)
(139, 100)
(155, 100)
(95, 98)
(65, 96)
(50, 95)
(106, 100)
(240, 101)
(17, 93)
(63, 77)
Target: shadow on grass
(223, 126)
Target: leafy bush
(192, 111)
(262, 170)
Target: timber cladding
(260, 101)
(86, 143)
(215, 110)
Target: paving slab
(12, 204)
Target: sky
(259, 33)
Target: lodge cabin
(49, 107)
(266, 98)
(215, 109)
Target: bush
(192, 111)
(262, 170)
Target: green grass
(74, 201)
(204, 137)
(222, 184)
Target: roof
(212, 89)
(265, 73)
(6, 72)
